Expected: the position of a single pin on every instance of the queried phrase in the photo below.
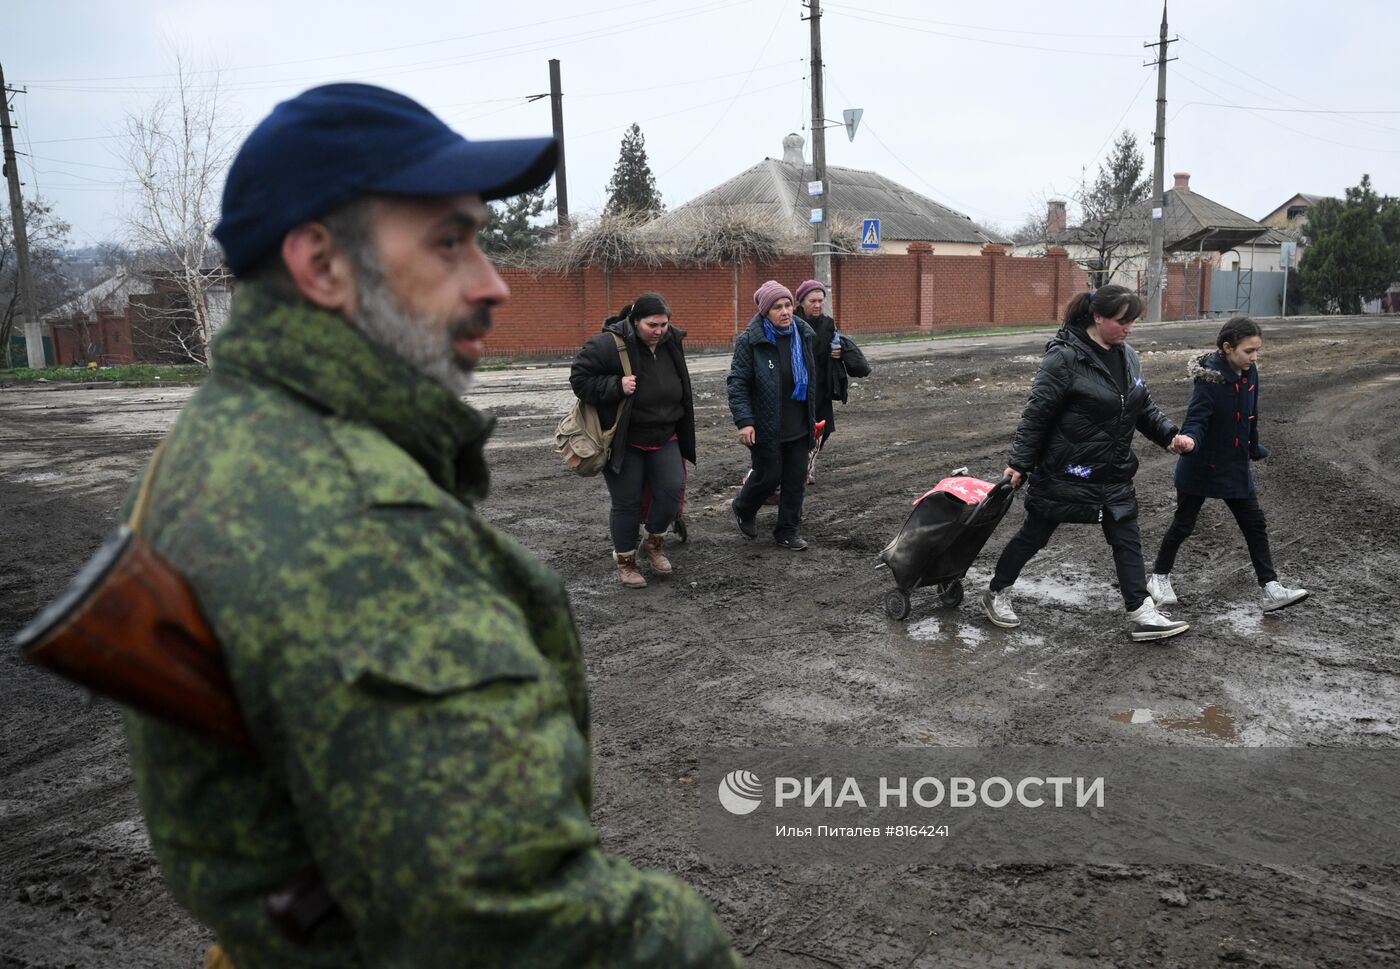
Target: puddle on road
(1245, 620)
(1213, 721)
(1066, 592)
(963, 635)
(37, 476)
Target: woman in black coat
(655, 416)
(1075, 441)
(1223, 421)
(836, 356)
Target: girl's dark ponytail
(1236, 330)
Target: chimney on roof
(1183, 181)
(792, 149)
(1055, 218)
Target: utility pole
(1156, 269)
(821, 249)
(33, 331)
(561, 181)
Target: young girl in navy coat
(1223, 421)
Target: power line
(396, 70)
(737, 94)
(1270, 90)
(994, 43)
(361, 53)
(1297, 131)
(995, 30)
(693, 107)
(1119, 123)
(866, 126)
(1254, 107)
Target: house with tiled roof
(777, 190)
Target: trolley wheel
(897, 604)
(951, 595)
(682, 533)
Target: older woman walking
(655, 434)
(774, 407)
(837, 358)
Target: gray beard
(415, 340)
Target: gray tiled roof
(779, 189)
(1194, 221)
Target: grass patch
(147, 374)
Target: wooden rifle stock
(129, 627)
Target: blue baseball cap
(331, 144)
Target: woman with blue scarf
(774, 411)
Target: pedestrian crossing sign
(870, 234)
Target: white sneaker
(1146, 623)
(1276, 596)
(1159, 587)
(997, 606)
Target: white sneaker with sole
(1277, 596)
(997, 606)
(1145, 623)
(1159, 587)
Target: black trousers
(1248, 515)
(776, 465)
(1123, 537)
(664, 471)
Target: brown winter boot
(627, 572)
(652, 545)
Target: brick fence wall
(554, 312)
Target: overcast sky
(988, 108)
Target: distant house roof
(1196, 222)
(1306, 198)
(779, 189)
(113, 293)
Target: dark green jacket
(412, 679)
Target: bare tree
(48, 234)
(179, 149)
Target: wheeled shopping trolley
(941, 537)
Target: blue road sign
(870, 234)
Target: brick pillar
(596, 306)
(921, 251)
(1059, 262)
(836, 265)
(996, 303)
(737, 322)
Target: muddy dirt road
(750, 645)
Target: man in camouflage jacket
(411, 677)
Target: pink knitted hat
(810, 286)
(768, 294)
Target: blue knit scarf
(799, 362)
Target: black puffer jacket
(1076, 433)
(830, 381)
(596, 377)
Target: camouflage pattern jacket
(412, 679)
